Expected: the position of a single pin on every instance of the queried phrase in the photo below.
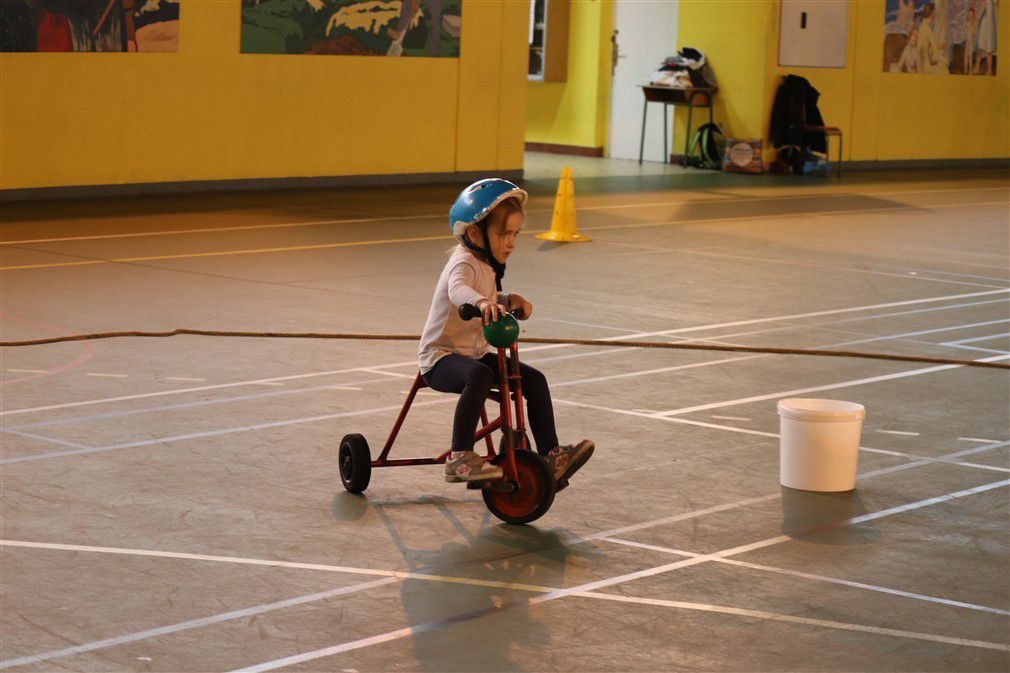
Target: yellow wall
(733, 34)
(884, 116)
(575, 112)
(208, 112)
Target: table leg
(666, 142)
(840, 155)
(641, 142)
(687, 136)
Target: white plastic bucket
(819, 443)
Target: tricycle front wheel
(529, 497)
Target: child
(454, 356)
(970, 28)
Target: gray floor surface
(174, 504)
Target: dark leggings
(472, 379)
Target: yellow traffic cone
(563, 222)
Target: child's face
(501, 235)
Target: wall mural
(89, 25)
(955, 37)
(352, 27)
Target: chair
(828, 131)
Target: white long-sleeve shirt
(466, 279)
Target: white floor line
(977, 349)
(774, 435)
(637, 335)
(791, 262)
(900, 432)
(111, 376)
(197, 389)
(532, 361)
(49, 440)
(977, 439)
(396, 574)
(791, 619)
(811, 576)
(366, 220)
(658, 370)
(396, 375)
(974, 339)
(780, 216)
(352, 385)
(212, 433)
(194, 624)
(269, 383)
(28, 371)
(662, 415)
(730, 418)
(651, 572)
(270, 563)
(830, 386)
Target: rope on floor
(529, 340)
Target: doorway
(645, 32)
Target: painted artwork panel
(89, 25)
(942, 37)
(426, 28)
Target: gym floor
(174, 504)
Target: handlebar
(469, 312)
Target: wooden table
(699, 97)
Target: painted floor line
(352, 385)
(977, 439)
(366, 571)
(977, 349)
(974, 339)
(196, 389)
(807, 621)
(103, 374)
(366, 220)
(210, 433)
(28, 371)
(900, 432)
(790, 262)
(193, 624)
(830, 386)
(730, 418)
(637, 335)
(774, 435)
(815, 577)
(42, 438)
(532, 361)
(650, 572)
(327, 246)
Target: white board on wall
(812, 33)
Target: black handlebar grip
(469, 312)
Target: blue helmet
(477, 200)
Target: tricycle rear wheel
(355, 462)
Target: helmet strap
(485, 252)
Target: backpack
(707, 146)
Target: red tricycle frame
(509, 386)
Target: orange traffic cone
(563, 222)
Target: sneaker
(565, 461)
(470, 467)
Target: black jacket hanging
(795, 107)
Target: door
(645, 32)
